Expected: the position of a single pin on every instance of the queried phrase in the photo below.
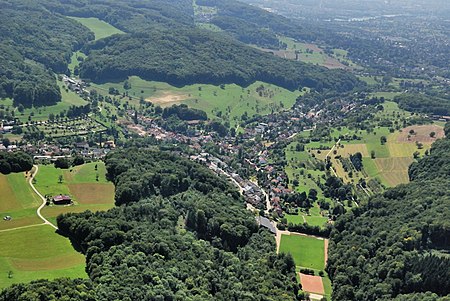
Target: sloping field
(421, 134)
(94, 193)
(350, 149)
(100, 28)
(394, 170)
(35, 253)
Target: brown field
(166, 99)
(350, 149)
(96, 193)
(422, 134)
(53, 263)
(326, 251)
(332, 63)
(8, 199)
(394, 170)
(312, 284)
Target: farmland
(228, 102)
(37, 252)
(18, 201)
(80, 183)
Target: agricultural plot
(71, 127)
(35, 253)
(86, 184)
(100, 28)
(228, 102)
(18, 201)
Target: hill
(399, 240)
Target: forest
(190, 242)
(188, 56)
(34, 44)
(396, 245)
(15, 162)
(423, 103)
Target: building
(62, 200)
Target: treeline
(183, 112)
(422, 103)
(34, 43)
(15, 162)
(191, 245)
(182, 57)
(395, 246)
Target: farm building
(62, 200)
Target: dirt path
(326, 251)
(18, 228)
(44, 201)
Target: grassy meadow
(228, 102)
(18, 201)
(35, 253)
(100, 28)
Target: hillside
(399, 240)
(184, 234)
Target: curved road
(44, 201)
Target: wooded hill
(160, 42)
(396, 246)
(189, 238)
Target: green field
(18, 201)
(229, 102)
(37, 253)
(308, 252)
(81, 184)
(100, 28)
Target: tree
(62, 163)
(60, 179)
(6, 142)
(383, 140)
(372, 154)
(433, 134)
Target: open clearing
(100, 28)
(308, 252)
(421, 134)
(167, 99)
(394, 170)
(312, 284)
(35, 253)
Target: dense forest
(422, 103)
(193, 240)
(397, 245)
(34, 43)
(194, 56)
(15, 162)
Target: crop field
(308, 252)
(100, 28)
(394, 171)
(345, 150)
(18, 201)
(421, 134)
(37, 252)
(229, 102)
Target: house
(62, 200)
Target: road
(44, 201)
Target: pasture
(80, 182)
(308, 252)
(18, 201)
(100, 28)
(35, 253)
(228, 102)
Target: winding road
(44, 201)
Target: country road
(44, 201)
